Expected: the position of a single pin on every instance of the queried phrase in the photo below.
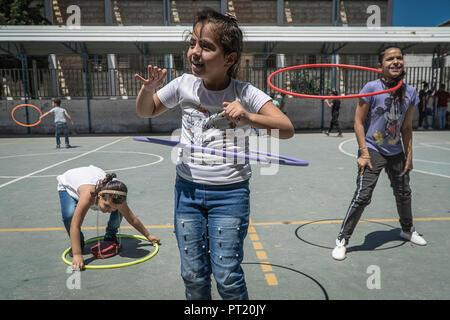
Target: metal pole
(322, 92)
(23, 60)
(88, 93)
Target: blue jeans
(61, 127)
(68, 205)
(211, 222)
(441, 117)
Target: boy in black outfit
(335, 105)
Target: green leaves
(20, 12)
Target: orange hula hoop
(350, 96)
(26, 105)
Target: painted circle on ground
(160, 158)
(341, 149)
(364, 246)
(294, 270)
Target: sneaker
(414, 237)
(111, 237)
(68, 146)
(58, 146)
(420, 128)
(340, 135)
(430, 128)
(327, 133)
(340, 250)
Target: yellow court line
(82, 228)
(271, 278)
(251, 229)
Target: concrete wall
(119, 116)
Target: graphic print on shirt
(392, 115)
(199, 123)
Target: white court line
(341, 149)
(61, 162)
(107, 170)
(431, 146)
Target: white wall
(119, 116)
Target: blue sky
(421, 13)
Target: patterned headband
(121, 193)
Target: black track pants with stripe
(366, 183)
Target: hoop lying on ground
(26, 105)
(119, 265)
(301, 95)
(280, 159)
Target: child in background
(335, 106)
(60, 122)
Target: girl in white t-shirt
(84, 188)
(212, 204)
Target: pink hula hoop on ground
(301, 95)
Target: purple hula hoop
(284, 160)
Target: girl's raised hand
(156, 77)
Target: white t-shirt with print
(199, 105)
(72, 179)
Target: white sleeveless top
(72, 179)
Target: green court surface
(296, 213)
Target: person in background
(335, 106)
(60, 122)
(423, 95)
(442, 103)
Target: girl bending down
(85, 188)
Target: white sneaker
(340, 249)
(414, 238)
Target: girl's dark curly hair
(109, 184)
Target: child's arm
(269, 117)
(148, 104)
(407, 133)
(82, 208)
(45, 114)
(68, 117)
(136, 223)
(328, 103)
(361, 112)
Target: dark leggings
(366, 183)
(334, 121)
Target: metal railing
(47, 83)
